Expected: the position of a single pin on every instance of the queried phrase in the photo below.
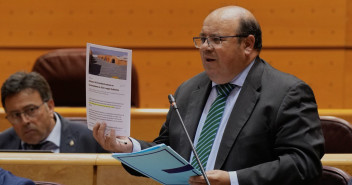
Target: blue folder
(160, 163)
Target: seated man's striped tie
(211, 125)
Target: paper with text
(108, 87)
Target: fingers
(99, 132)
(109, 142)
(102, 139)
(215, 177)
(196, 180)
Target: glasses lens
(198, 41)
(215, 40)
(14, 117)
(31, 112)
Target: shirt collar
(241, 77)
(55, 134)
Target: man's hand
(108, 142)
(215, 177)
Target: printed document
(160, 163)
(108, 87)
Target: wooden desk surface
(47, 158)
(98, 169)
(68, 169)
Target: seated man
(28, 103)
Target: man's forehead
(22, 99)
(219, 29)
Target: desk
(70, 169)
(98, 169)
(342, 161)
(67, 169)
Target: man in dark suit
(28, 102)
(269, 132)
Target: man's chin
(30, 139)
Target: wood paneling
(163, 23)
(161, 71)
(307, 38)
(349, 23)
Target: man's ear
(51, 105)
(249, 44)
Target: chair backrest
(333, 176)
(337, 133)
(65, 71)
(77, 119)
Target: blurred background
(308, 38)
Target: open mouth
(209, 59)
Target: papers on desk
(160, 163)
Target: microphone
(173, 104)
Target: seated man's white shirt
(55, 135)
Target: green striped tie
(211, 125)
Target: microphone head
(171, 99)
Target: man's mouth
(210, 59)
(29, 131)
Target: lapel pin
(72, 143)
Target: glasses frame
(220, 39)
(19, 118)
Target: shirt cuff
(233, 178)
(136, 145)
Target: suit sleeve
(298, 143)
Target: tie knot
(224, 89)
(46, 145)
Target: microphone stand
(173, 104)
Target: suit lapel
(242, 110)
(198, 98)
(68, 140)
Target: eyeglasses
(213, 41)
(30, 113)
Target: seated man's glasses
(213, 41)
(29, 112)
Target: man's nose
(206, 45)
(24, 118)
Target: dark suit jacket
(273, 135)
(71, 133)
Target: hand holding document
(108, 88)
(110, 141)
